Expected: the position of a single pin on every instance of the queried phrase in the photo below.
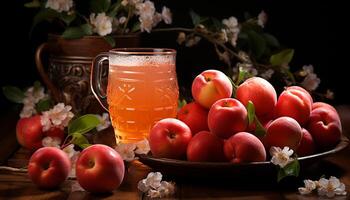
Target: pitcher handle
(40, 67)
(95, 79)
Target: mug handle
(40, 67)
(95, 79)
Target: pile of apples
(215, 128)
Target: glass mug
(142, 89)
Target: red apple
(195, 116)
(99, 169)
(325, 127)
(169, 138)
(283, 131)
(29, 132)
(260, 92)
(244, 147)
(56, 132)
(227, 117)
(307, 145)
(49, 167)
(206, 147)
(210, 86)
(294, 102)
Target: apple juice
(140, 95)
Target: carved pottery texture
(72, 77)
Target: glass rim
(143, 51)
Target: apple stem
(13, 169)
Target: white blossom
(59, 5)
(101, 23)
(73, 156)
(329, 94)
(166, 15)
(122, 20)
(142, 147)
(181, 38)
(155, 187)
(223, 36)
(267, 74)
(309, 187)
(105, 122)
(32, 97)
(192, 41)
(58, 116)
(232, 29)
(308, 69)
(148, 16)
(131, 2)
(330, 187)
(51, 142)
(126, 151)
(280, 156)
(311, 82)
(262, 18)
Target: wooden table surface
(16, 185)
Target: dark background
(315, 29)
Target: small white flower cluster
(281, 157)
(32, 97)
(325, 187)
(101, 23)
(155, 187)
(58, 116)
(148, 16)
(105, 122)
(231, 30)
(127, 151)
(59, 5)
(262, 19)
(311, 81)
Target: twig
(13, 169)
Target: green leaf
(83, 124)
(80, 140)
(195, 18)
(241, 75)
(292, 169)
(259, 128)
(87, 29)
(257, 43)
(43, 15)
(13, 94)
(110, 40)
(135, 27)
(44, 105)
(33, 4)
(283, 57)
(99, 6)
(67, 18)
(181, 103)
(251, 112)
(234, 86)
(113, 10)
(37, 85)
(73, 33)
(271, 40)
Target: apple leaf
(113, 10)
(195, 18)
(110, 40)
(292, 169)
(181, 103)
(283, 57)
(251, 112)
(33, 4)
(234, 87)
(13, 94)
(241, 75)
(73, 33)
(83, 124)
(80, 140)
(259, 128)
(43, 105)
(99, 6)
